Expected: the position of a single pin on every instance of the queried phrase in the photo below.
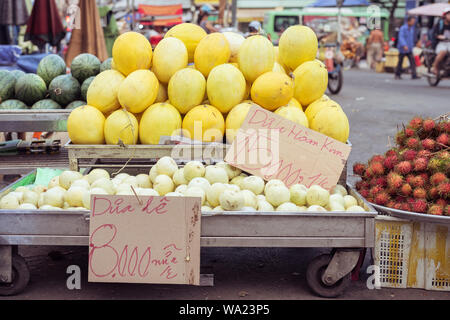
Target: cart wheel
(20, 277)
(314, 273)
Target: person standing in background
(406, 41)
(203, 21)
(375, 47)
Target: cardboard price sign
(273, 147)
(144, 240)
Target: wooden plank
(5, 264)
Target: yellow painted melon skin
(121, 125)
(160, 119)
(255, 57)
(272, 90)
(318, 105)
(297, 45)
(225, 87)
(310, 82)
(211, 51)
(294, 114)
(170, 56)
(138, 91)
(131, 51)
(186, 89)
(331, 121)
(103, 91)
(85, 125)
(190, 34)
(235, 118)
(204, 123)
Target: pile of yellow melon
(201, 87)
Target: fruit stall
(162, 122)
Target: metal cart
(347, 233)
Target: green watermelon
(18, 73)
(7, 84)
(64, 89)
(30, 88)
(12, 104)
(76, 104)
(46, 104)
(50, 67)
(85, 65)
(106, 65)
(85, 87)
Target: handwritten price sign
(273, 147)
(150, 240)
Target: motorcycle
(334, 65)
(429, 56)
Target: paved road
(376, 105)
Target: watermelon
(50, 67)
(12, 104)
(85, 65)
(64, 89)
(30, 88)
(7, 84)
(18, 73)
(85, 87)
(46, 104)
(106, 65)
(76, 104)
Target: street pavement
(376, 105)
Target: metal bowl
(412, 215)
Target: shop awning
(168, 15)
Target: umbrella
(435, 9)
(44, 25)
(13, 12)
(332, 3)
(89, 37)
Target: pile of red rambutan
(414, 175)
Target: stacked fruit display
(221, 187)
(414, 175)
(50, 87)
(201, 86)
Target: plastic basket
(412, 254)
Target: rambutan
(364, 193)
(409, 154)
(424, 154)
(420, 206)
(438, 178)
(406, 189)
(405, 206)
(361, 184)
(425, 176)
(443, 190)
(415, 123)
(418, 182)
(420, 164)
(377, 168)
(380, 181)
(438, 164)
(410, 179)
(442, 139)
(390, 204)
(391, 152)
(428, 125)
(412, 143)
(359, 168)
(397, 205)
(419, 193)
(435, 210)
(403, 167)
(400, 138)
(432, 193)
(441, 202)
(368, 174)
(382, 198)
(409, 132)
(394, 180)
(375, 190)
(377, 158)
(390, 162)
(428, 144)
(447, 210)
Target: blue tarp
(11, 59)
(332, 3)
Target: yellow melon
(211, 51)
(204, 123)
(131, 51)
(248, 88)
(235, 118)
(310, 82)
(162, 93)
(235, 40)
(317, 105)
(278, 68)
(190, 34)
(294, 114)
(160, 119)
(103, 90)
(294, 103)
(297, 45)
(85, 125)
(170, 56)
(225, 87)
(272, 90)
(186, 89)
(122, 126)
(333, 122)
(255, 57)
(138, 91)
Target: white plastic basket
(412, 254)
